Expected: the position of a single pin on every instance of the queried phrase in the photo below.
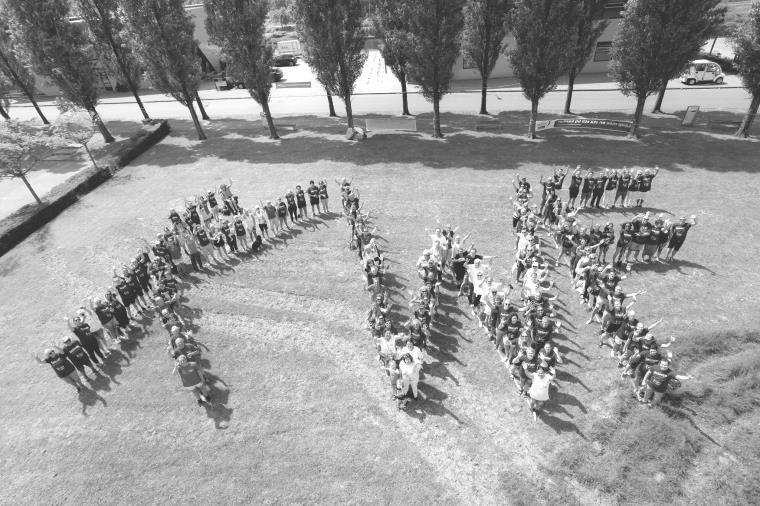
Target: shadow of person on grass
(559, 425)
(566, 377)
(216, 408)
(562, 398)
(429, 402)
(89, 397)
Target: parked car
(701, 71)
(285, 60)
(226, 83)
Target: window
(614, 9)
(603, 51)
(700, 67)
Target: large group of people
(211, 228)
(515, 310)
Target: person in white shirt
(539, 389)
(410, 374)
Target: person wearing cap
(192, 378)
(539, 389)
(677, 236)
(62, 367)
(73, 350)
(657, 381)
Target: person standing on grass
(622, 188)
(576, 180)
(88, 339)
(313, 191)
(586, 189)
(410, 374)
(282, 216)
(105, 315)
(677, 236)
(192, 378)
(301, 202)
(261, 219)
(539, 389)
(323, 197)
(609, 190)
(193, 251)
(645, 184)
(290, 197)
(73, 351)
(62, 367)
(658, 380)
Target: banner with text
(599, 124)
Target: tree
(544, 40)
(76, 128)
(20, 150)
(649, 34)
(14, 64)
(108, 35)
(332, 34)
(5, 88)
(588, 29)
(486, 23)
(697, 21)
(392, 26)
(163, 33)
(436, 28)
(59, 51)
(237, 26)
(747, 51)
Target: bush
(21, 224)
(726, 64)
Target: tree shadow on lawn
(662, 144)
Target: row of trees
(421, 43)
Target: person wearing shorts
(657, 381)
(62, 367)
(633, 190)
(193, 251)
(586, 188)
(76, 354)
(677, 236)
(88, 339)
(301, 202)
(261, 220)
(609, 190)
(323, 197)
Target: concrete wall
(504, 68)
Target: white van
(702, 71)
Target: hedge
(30, 218)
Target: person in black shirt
(313, 191)
(645, 184)
(62, 367)
(292, 206)
(301, 202)
(575, 186)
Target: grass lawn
(301, 412)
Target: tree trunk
(332, 106)
(660, 96)
(349, 112)
(437, 117)
(270, 122)
(4, 113)
(533, 118)
(101, 126)
(750, 117)
(570, 86)
(31, 190)
(200, 107)
(22, 86)
(89, 153)
(198, 128)
(133, 89)
(36, 107)
(634, 132)
(483, 91)
(404, 101)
